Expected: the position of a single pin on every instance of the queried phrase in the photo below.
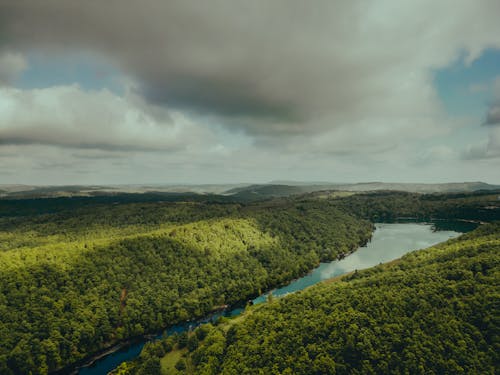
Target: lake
(389, 242)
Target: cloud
(68, 116)
(436, 154)
(493, 116)
(228, 89)
(11, 65)
(289, 67)
(489, 148)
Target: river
(389, 242)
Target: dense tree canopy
(435, 311)
(80, 274)
(75, 281)
(390, 206)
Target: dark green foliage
(181, 364)
(150, 367)
(389, 206)
(192, 343)
(149, 360)
(36, 206)
(182, 340)
(433, 312)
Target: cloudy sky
(95, 92)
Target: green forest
(75, 281)
(78, 275)
(434, 311)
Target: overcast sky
(103, 92)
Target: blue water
(113, 360)
(389, 241)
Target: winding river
(389, 242)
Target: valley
(78, 281)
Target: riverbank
(422, 301)
(131, 347)
(389, 242)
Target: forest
(434, 311)
(81, 274)
(76, 281)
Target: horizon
(257, 183)
(278, 182)
(91, 94)
(244, 184)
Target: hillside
(389, 206)
(77, 280)
(435, 311)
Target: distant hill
(238, 191)
(253, 192)
(452, 187)
(269, 190)
(55, 191)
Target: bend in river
(389, 242)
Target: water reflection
(389, 241)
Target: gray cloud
(52, 140)
(484, 150)
(98, 155)
(490, 148)
(11, 65)
(493, 116)
(231, 89)
(282, 63)
(200, 95)
(44, 165)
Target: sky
(129, 92)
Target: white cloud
(69, 116)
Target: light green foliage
(76, 281)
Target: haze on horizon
(126, 92)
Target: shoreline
(73, 369)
